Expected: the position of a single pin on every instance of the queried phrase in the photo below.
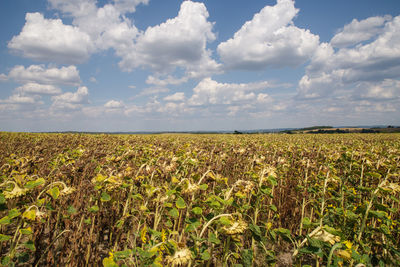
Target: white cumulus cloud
(358, 31)
(347, 68)
(39, 89)
(386, 90)
(178, 42)
(270, 39)
(212, 92)
(20, 99)
(42, 75)
(70, 100)
(50, 40)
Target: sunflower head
(180, 258)
(323, 235)
(16, 192)
(67, 190)
(237, 227)
(243, 186)
(191, 189)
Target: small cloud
(132, 86)
(93, 79)
(263, 98)
(153, 91)
(3, 77)
(113, 104)
(169, 80)
(179, 96)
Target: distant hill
(347, 129)
(312, 129)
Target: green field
(199, 200)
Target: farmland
(199, 200)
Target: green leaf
(33, 184)
(203, 187)
(94, 208)
(109, 262)
(123, 254)
(266, 190)
(312, 250)
(105, 197)
(5, 220)
(205, 256)
(2, 199)
(385, 229)
(168, 224)
(13, 213)
(120, 223)
(375, 174)
(22, 257)
(29, 215)
(87, 221)
(316, 243)
(307, 222)
(26, 231)
(247, 257)
(4, 237)
(284, 233)
(378, 214)
(256, 230)
(192, 224)
(229, 201)
(272, 180)
(240, 195)
(5, 261)
(225, 221)
(180, 203)
(71, 210)
(197, 210)
(273, 207)
(212, 238)
(168, 205)
(54, 192)
(332, 230)
(174, 213)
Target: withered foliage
(138, 200)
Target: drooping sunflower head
(237, 227)
(325, 236)
(243, 186)
(181, 257)
(191, 188)
(16, 192)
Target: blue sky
(156, 65)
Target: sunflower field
(199, 200)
